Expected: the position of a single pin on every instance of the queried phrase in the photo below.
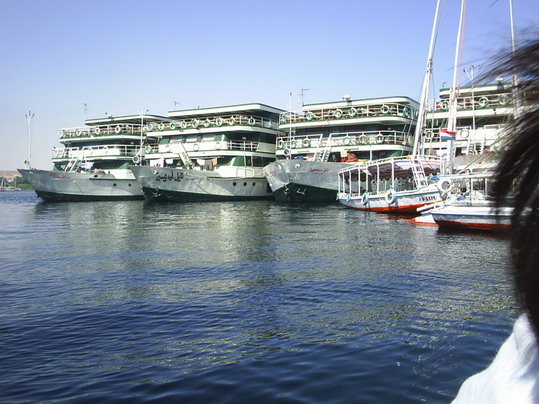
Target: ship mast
(426, 83)
(516, 92)
(453, 94)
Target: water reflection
(187, 288)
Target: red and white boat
(394, 185)
(478, 217)
(467, 205)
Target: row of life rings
(195, 123)
(390, 197)
(347, 141)
(483, 102)
(352, 112)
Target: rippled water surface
(241, 302)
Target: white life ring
(251, 121)
(365, 198)
(195, 123)
(136, 159)
(280, 144)
(118, 129)
(286, 152)
(380, 139)
(231, 121)
(306, 143)
(391, 196)
(363, 139)
(293, 144)
(310, 116)
(385, 109)
(441, 105)
(172, 126)
(183, 125)
(352, 112)
(150, 126)
(78, 132)
(444, 186)
(464, 133)
(97, 130)
(347, 141)
(283, 118)
(483, 102)
(148, 149)
(503, 99)
(207, 123)
(337, 114)
(406, 112)
(195, 147)
(161, 126)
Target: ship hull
(303, 181)
(185, 185)
(474, 218)
(59, 186)
(406, 202)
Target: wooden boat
(395, 185)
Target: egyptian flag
(447, 134)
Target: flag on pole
(447, 134)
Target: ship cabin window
(244, 161)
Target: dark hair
(517, 176)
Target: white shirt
(513, 376)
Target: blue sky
(120, 56)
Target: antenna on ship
(29, 117)
(302, 95)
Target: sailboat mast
(453, 94)
(516, 92)
(426, 83)
(451, 125)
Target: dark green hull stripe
(305, 194)
(55, 197)
(175, 196)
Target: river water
(241, 302)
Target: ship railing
(480, 101)
(193, 147)
(468, 134)
(349, 139)
(364, 111)
(102, 130)
(221, 121)
(69, 153)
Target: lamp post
(29, 117)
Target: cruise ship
(324, 138)
(93, 162)
(210, 154)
